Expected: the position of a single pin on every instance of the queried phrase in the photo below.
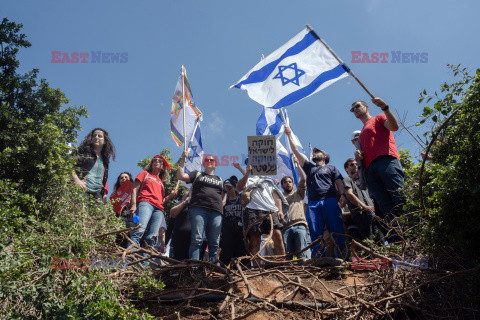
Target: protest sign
(121, 196)
(262, 155)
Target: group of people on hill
(232, 215)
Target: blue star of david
(195, 154)
(294, 80)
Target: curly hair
(108, 149)
(163, 173)
(117, 184)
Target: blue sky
(220, 41)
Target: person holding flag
(205, 207)
(323, 181)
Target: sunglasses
(352, 164)
(157, 160)
(209, 160)
(358, 105)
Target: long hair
(163, 173)
(108, 149)
(117, 184)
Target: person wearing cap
(295, 231)
(231, 241)
(362, 182)
(323, 181)
(148, 197)
(383, 170)
(205, 207)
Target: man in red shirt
(383, 170)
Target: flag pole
(183, 105)
(349, 71)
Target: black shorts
(251, 215)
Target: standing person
(92, 160)
(181, 233)
(295, 231)
(359, 202)
(125, 212)
(323, 181)
(231, 241)
(149, 195)
(206, 206)
(384, 173)
(265, 199)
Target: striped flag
(298, 69)
(192, 113)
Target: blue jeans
(384, 179)
(208, 222)
(321, 213)
(151, 219)
(295, 239)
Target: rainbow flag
(192, 113)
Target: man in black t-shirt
(205, 208)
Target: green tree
(450, 179)
(36, 127)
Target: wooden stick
(350, 72)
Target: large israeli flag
(195, 151)
(298, 69)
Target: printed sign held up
(262, 155)
(121, 196)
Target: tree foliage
(450, 179)
(43, 215)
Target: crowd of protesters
(232, 218)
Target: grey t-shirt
(361, 194)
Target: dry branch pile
(323, 288)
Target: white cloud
(214, 122)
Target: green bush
(450, 181)
(43, 215)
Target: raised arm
(301, 158)
(238, 167)
(241, 183)
(391, 123)
(181, 175)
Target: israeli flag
(195, 151)
(298, 69)
(270, 122)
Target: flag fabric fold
(195, 151)
(270, 122)
(192, 113)
(298, 69)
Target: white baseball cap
(355, 134)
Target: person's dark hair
(347, 163)
(360, 101)
(163, 173)
(117, 184)
(285, 178)
(108, 149)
